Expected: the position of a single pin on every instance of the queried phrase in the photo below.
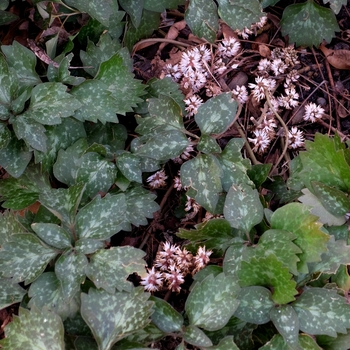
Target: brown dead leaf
(339, 59)
(227, 31)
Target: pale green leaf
(243, 209)
(195, 336)
(255, 304)
(296, 218)
(9, 225)
(216, 115)
(203, 175)
(113, 317)
(34, 329)
(50, 102)
(88, 245)
(212, 302)
(23, 61)
(202, 18)
(240, 13)
(134, 10)
(10, 293)
(165, 317)
(286, 321)
(335, 5)
(110, 268)
(130, 165)
(322, 311)
(308, 23)
(226, 343)
(53, 235)
(233, 258)
(101, 218)
(268, 271)
(70, 270)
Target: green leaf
(70, 270)
(161, 5)
(34, 329)
(130, 165)
(88, 245)
(255, 304)
(215, 234)
(233, 258)
(62, 202)
(23, 61)
(113, 317)
(335, 5)
(286, 321)
(5, 136)
(208, 144)
(109, 269)
(268, 271)
(146, 335)
(308, 23)
(10, 293)
(202, 18)
(97, 173)
(276, 343)
(226, 343)
(216, 115)
(203, 175)
(342, 278)
(322, 311)
(53, 235)
(46, 291)
(243, 209)
(212, 302)
(7, 17)
(125, 90)
(50, 102)
(134, 10)
(334, 200)
(259, 173)
(337, 253)
(341, 342)
(266, 3)
(165, 317)
(101, 218)
(9, 225)
(296, 218)
(195, 336)
(240, 13)
(24, 258)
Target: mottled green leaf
(202, 18)
(34, 329)
(23, 61)
(101, 218)
(5, 136)
(208, 144)
(109, 269)
(161, 5)
(233, 258)
(268, 271)
(342, 278)
(322, 311)
(240, 13)
(308, 23)
(50, 102)
(126, 90)
(243, 209)
(203, 174)
(53, 235)
(195, 336)
(134, 10)
(10, 293)
(88, 245)
(9, 225)
(259, 173)
(130, 165)
(286, 321)
(216, 115)
(113, 317)
(255, 304)
(276, 343)
(226, 343)
(7, 17)
(215, 234)
(296, 218)
(24, 258)
(335, 5)
(165, 317)
(212, 302)
(146, 335)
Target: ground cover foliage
(174, 175)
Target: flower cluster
(171, 266)
(245, 32)
(313, 112)
(157, 180)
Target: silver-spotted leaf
(212, 302)
(226, 343)
(10, 293)
(165, 317)
(322, 311)
(161, 5)
(134, 10)
(233, 258)
(255, 304)
(268, 271)
(208, 144)
(195, 336)
(216, 115)
(5, 136)
(203, 174)
(9, 225)
(296, 218)
(110, 268)
(113, 317)
(335, 5)
(24, 258)
(102, 217)
(202, 17)
(286, 321)
(53, 235)
(130, 165)
(34, 329)
(243, 208)
(88, 245)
